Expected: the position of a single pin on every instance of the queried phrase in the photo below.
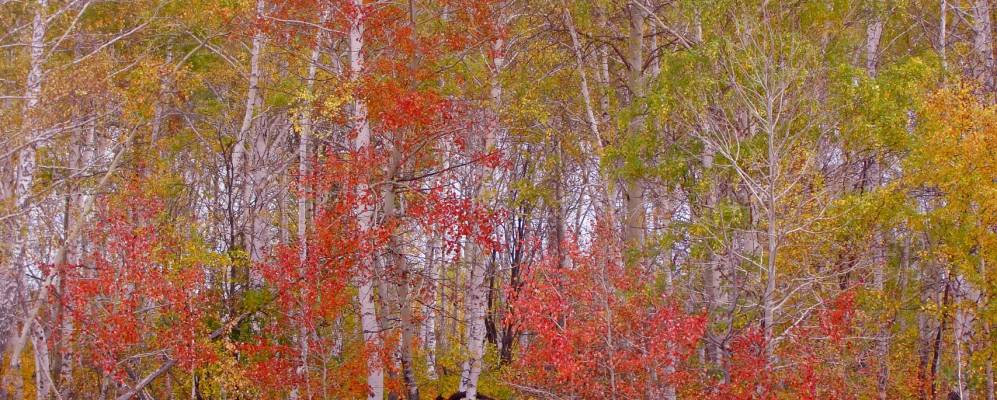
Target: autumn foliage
(498, 199)
(597, 327)
(138, 295)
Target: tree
(316, 199)
(597, 329)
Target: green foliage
(875, 113)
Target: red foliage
(456, 218)
(806, 358)
(597, 328)
(128, 297)
(271, 365)
(132, 297)
(314, 293)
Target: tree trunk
(590, 112)
(24, 181)
(431, 309)
(477, 290)
(633, 232)
(365, 296)
(874, 32)
(990, 378)
(712, 273)
(395, 258)
(772, 240)
(240, 180)
(409, 332)
(939, 334)
(983, 46)
(239, 155)
(943, 32)
(304, 193)
(883, 336)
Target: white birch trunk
(475, 316)
(240, 156)
(249, 159)
(239, 152)
(43, 379)
(590, 113)
(633, 230)
(365, 296)
(942, 31)
(303, 193)
(24, 181)
(874, 32)
(477, 290)
(983, 44)
(772, 240)
(430, 309)
(960, 330)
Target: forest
(498, 199)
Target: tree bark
(240, 182)
(304, 144)
(772, 240)
(983, 46)
(72, 235)
(633, 232)
(365, 296)
(24, 182)
(432, 307)
(477, 290)
(590, 111)
(712, 273)
(874, 33)
(943, 32)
